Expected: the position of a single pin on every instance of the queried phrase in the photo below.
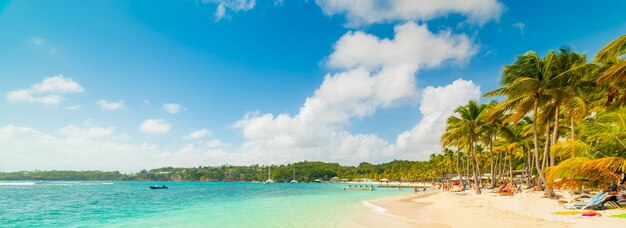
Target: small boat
(158, 187)
(269, 178)
(294, 181)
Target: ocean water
(184, 204)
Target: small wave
(377, 209)
(16, 183)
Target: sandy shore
(443, 209)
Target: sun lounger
(592, 202)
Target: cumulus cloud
(437, 104)
(28, 149)
(365, 12)
(521, 26)
(223, 6)
(172, 108)
(111, 105)
(155, 126)
(50, 91)
(87, 130)
(373, 73)
(198, 134)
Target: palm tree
(613, 71)
(526, 83)
(467, 126)
(611, 55)
(491, 129)
(598, 156)
(512, 140)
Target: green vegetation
(304, 172)
(562, 122)
(63, 175)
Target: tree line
(561, 123)
(306, 171)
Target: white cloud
(365, 12)
(87, 130)
(28, 149)
(172, 108)
(230, 5)
(50, 91)
(198, 134)
(521, 26)
(37, 41)
(437, 104)
(111, 106)
(155, 126)
(374, 73)
(72, 107)
(220, 12)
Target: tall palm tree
(467, 126)
(526, 83)
(598, 156)
(613, 71)
(568, 66)
(611, 55)
(491, 129)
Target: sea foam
(375, 208)
(16, 183)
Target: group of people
(455, 186)
(360, 187)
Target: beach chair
(592, 202)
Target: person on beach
(612, 189)
(504, 188)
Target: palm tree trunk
(493, 181)
(529, 171)
(474, 163)
(511, 167)
(542, 179)
(571, 127)
(467, 170)
(458, 171)
(546, 148)
(501, 167)
(555, 134)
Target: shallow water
(188, 204)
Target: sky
(131, 85)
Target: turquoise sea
(184, 204)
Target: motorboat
(158, 187)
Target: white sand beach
(443, 209)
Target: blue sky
(234, 66)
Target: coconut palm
(491, 129)
(467, 126)
(611, 55)
(526, 84)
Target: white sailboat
(269, 178)
(294, 176)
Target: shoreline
(443, 209)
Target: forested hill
(306, 171)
